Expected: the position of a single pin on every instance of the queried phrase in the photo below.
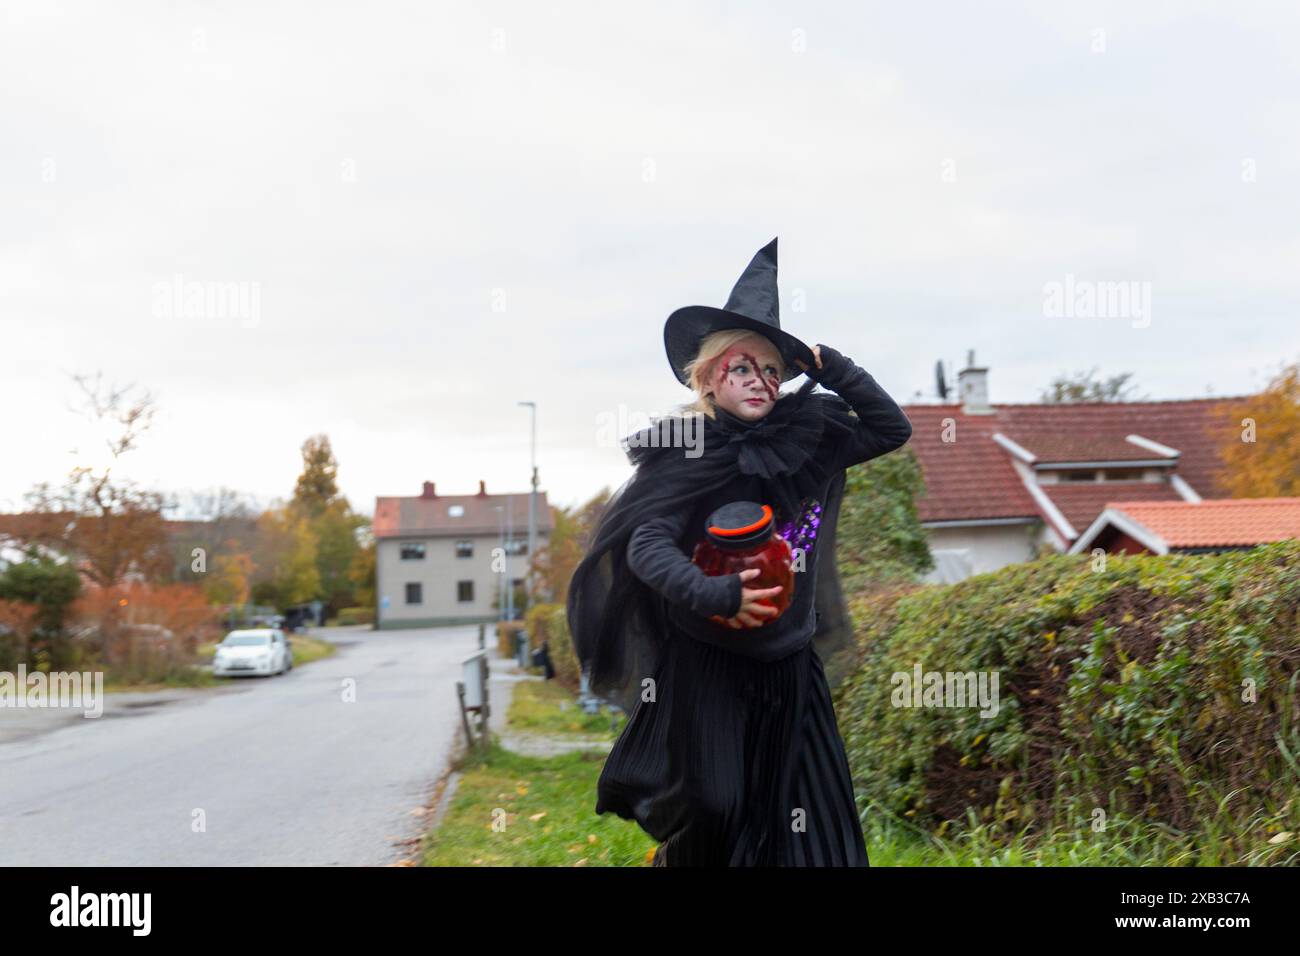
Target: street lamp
(532, 508)
(501, 542)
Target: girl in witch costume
(731, 755)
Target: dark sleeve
(655, 556)
(882, 426)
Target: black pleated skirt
(736, 762)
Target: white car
(261, 650)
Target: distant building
(434, 555)
(1002, 481)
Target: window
(1123, 474)
(414, 592)
(455, 511)
(412, 550)
(1079, 476)
(464, 549)
(517, 546)
(464, 591)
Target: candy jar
(739, 536)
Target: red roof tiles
(1056, 447)
(1082, 501)
(1216, 523)
(967, 474)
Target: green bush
(506, 631)
(1123, 688)
(45, 589)
(355, 615)
(879, 538)
(550, 623)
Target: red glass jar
(739, 536)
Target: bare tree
(1086, 387)
(109, 527)
(100, 404)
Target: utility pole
(510, 543)
(501, 540)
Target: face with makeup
(747, 378)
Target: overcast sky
(435, 210)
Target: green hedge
(355, 615)
(550, 623)
(1121, 690)
(506, 632)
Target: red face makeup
(747, 378)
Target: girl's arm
(882, 426)
(654, 556)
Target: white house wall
(987, 547)
(438, 572)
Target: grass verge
(515, 810)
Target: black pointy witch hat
(754, 304)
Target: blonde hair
(699, 369)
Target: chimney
(428, 491)
(973, 387)
(482, 489)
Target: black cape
(617, 622)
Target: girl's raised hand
(817, 354)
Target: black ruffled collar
(733, 423)
(779, 443)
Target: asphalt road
(278, 771)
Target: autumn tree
(154, 631)
(1087, 387)
(567, 544)
(107, 525)
(1261, 440)
(362, 575)
(287, 573)
(107, 530)
(334, 525)
(337, 547)
(229, 578)
(317, 486)
(224, 524)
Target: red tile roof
(967, 474)
(1188, 426)
(971, 476)
(1055, 447)
(395, 516)
(1216, 523)
(1082, 501)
